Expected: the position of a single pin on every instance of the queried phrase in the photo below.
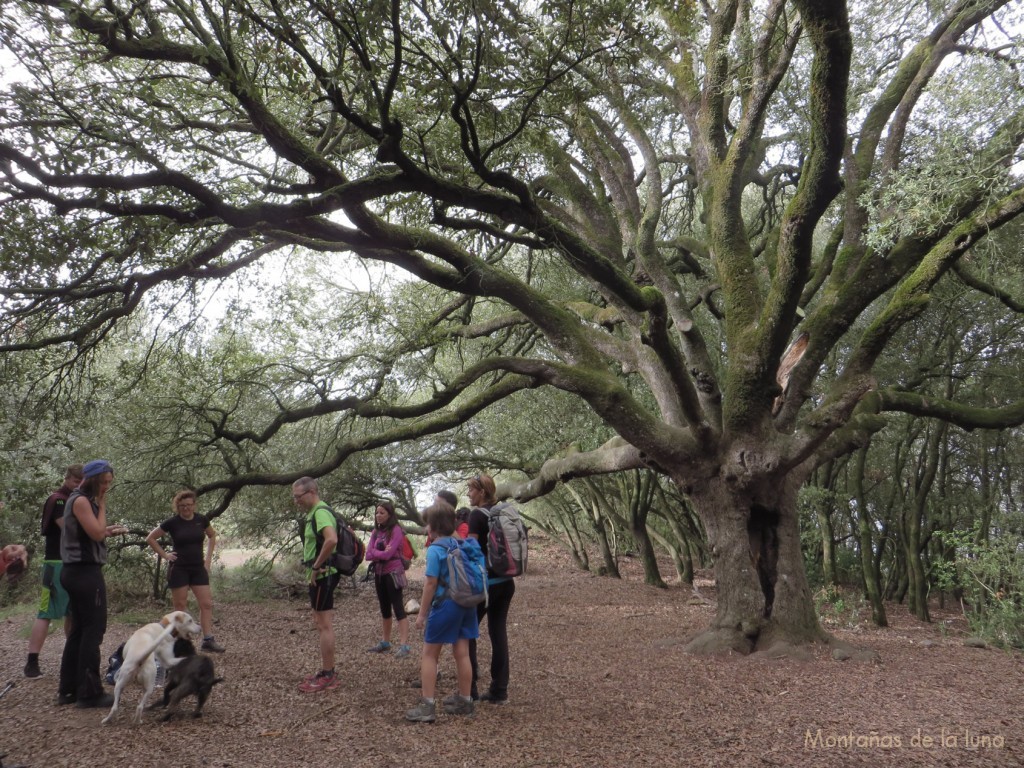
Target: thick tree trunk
(764, 601)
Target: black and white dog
(193, 675)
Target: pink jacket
(389, 559)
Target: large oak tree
(706, 221)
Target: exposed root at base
(769, 646)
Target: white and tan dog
(146, 645)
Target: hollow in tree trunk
(763, 596)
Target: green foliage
(839, 607)
(259, 578)
(129, 577)
(990, 578)
(459, 206)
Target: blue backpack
(466, 581)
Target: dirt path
(598, 679)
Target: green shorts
(54, 602)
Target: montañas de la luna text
(944, 738)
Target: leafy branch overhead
(644, 205)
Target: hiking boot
(323, 680)
(103, 700)
(422, 712)
(456, 705)
(63, 699)
(492, 698)
(456, 697)
(32, 671)
(382, 647)
(403, 652)
(211, 645)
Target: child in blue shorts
(446, 622)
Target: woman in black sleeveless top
(83, 550)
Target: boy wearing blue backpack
(446, 621)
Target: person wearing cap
(83, 551)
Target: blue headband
(96, 467)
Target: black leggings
(499, 598)
(80, 664)
(389, 596)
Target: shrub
(989, 577)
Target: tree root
(724, 641)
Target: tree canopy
(710, 223)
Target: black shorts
(179, 575)
(321, 594)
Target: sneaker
(403, 652)
(422, 712)
(456, 705)
(103, 700)
(382, 647)
(63, 699)
(32, 671)
(321, 681)
(491, 698)
(211, 645)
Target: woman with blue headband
(83, 550)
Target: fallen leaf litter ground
(599, 678)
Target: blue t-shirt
(437, 564)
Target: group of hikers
(75, 528)
(444, 621)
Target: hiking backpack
(466, 582)
(349, 551)
(407, 552)
(506, 541)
